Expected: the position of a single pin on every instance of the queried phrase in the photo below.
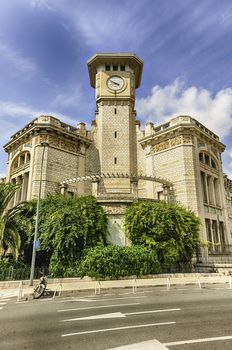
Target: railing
(20, 168)
(14, 274)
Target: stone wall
(177, 166)
(58, 165)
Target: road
(120, 318)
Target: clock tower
(115, 76)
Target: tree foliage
(67, 226)
(115, 261)
(168, 228)
(9, 236)
(25, 223)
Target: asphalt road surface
(180, 319)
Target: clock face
(115, 83)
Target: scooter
(41, 287)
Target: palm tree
(9, 236)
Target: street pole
(44, 144)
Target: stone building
(118, 162)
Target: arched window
(21, 161)
(206, 159)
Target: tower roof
(123, 57)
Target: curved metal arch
(132, 177)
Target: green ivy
(67, 227)
(168, 228)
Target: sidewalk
(75, 285)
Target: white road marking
(105, 295)
(150, 312)
(77, 299)
(116, 315)
(1, 308)
(148, 345)
(5, 299)
(145, 291)
(96, 317)
(119, 328)
(3, 303)
(93, 300)
(97, 307)
(202, 340)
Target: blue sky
(185, 45)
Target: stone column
(149, 172)
(134, 187)
(165, 193)
(95, 184)
(25, 185)
(63, 189)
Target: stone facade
(118, 162)
(49, 151)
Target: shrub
(11, 270)
(114, 262)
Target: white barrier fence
(168, 281)
(20, 292)
(58, 288)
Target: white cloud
(229, 164)
(107, 24)
(226, 17)
(11, 109)
(14, 116)
(230, 155)
(69, 98)
(214, 111)
(41, 4)
(74, 98)
(21, 63)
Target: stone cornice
(47, 125)
(178, 126)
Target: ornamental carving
(44, 118)
(201, 143)
(173, 142)
(161, 146)
(59, 142)
(114, 210)
(185, 119)
(187, 139)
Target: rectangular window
(209, 234)
(107, 68)
(122, 68)
(115, 111)
(206, 159)
(115, 160)
(215, 235)
(115, 67)
(160, 195)
(222, 236)
(204, 190)
(115, 134)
